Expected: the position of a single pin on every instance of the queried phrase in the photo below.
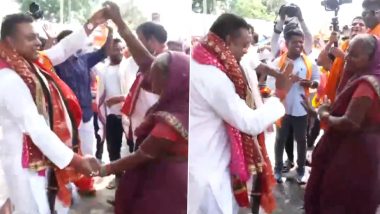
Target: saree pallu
(345, 176)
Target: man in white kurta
(153, 37)
(213, 101)
(18, 115)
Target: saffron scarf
(52, 100)
(247, 158)
(336, 73)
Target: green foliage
(258, 9)
(80, 9)
(250, 9)
(273, 6)
(131, 14)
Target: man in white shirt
(153, 37)
(25, 122)
(278, 28)
(112, 98)
(296, 116)
(214, 102)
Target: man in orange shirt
(371, 16)
(357, 27)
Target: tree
(250, 9)
(259, 9)
(198, 6)
(273, 5)
(81, 10)
(73, 9)
(131, 14)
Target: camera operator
(371, 16)
(294, 123)
(336, 71)
(278, 28)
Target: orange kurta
(336, 73)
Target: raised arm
(275, 46)
(75, 41)
(139, 53)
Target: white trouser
(87, 137)
(4, 189)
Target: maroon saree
(345, 176)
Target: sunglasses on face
(369, 12)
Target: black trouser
(289, 145)
(299, 125)
(114, 136)
(99, 141)
(313, 127)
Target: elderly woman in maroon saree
(155, 179)
(345, 175)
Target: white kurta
(18, 115)
(213, 100)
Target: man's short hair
(63, 34)
(8, 26)
(116, 40)
(358, 17)
(295, 32)
(228, 24)
(292, 29)
(151, 29)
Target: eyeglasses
(369, 12)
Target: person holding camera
(288, 13)
(336, 70)
(294, 123)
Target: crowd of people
(50, 95)
(310, 89)
(195, 122)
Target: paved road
(289, 195)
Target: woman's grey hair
(369, 43)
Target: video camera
(35, 11)
(333, 5)
(289, 9)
